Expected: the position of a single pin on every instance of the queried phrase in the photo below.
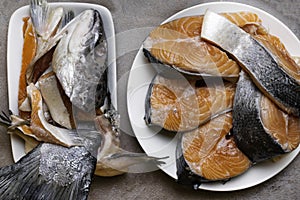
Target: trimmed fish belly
(179, 105)
(209, 154)
(261, 130)
(255, 59)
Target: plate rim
(182, 13)
(15, 140)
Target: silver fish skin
(79, 60)
(255, 59)
(248, 130)
(51, 171)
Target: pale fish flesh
(57, 102)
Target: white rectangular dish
(14, 57)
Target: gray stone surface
(128, 15)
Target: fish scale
(248, 131)
(256, 60)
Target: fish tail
(5, 120)
(25, 179)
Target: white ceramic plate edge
(249, 178)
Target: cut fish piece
(178, 105)
(112, 160)
(49, 87)
(209, 154)
(192, 25)
(261, 130)
(263, 69)
(42, 65)
(177, 45)
(44, 131)
(28, 53)
(282, 56)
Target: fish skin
(285, 60)
(248, 130)
(79, 60)
(68, 176)
(51, 171)
(255, 59)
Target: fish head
(79, 60)
(86, 33)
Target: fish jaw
(255, 59)
(79, 60)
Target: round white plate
(162, 145)
(14, 57)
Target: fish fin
(35, 177)
(132, 162)
(68, 16)
(5, 119)
(39, 11)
